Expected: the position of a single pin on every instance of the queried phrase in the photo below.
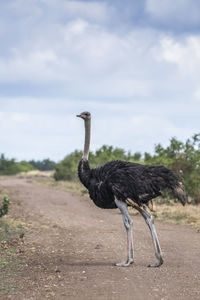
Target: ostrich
(119, 184)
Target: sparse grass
(10, 228)
(35, 173)
(69, 186)
(10, 264)
(176, 213)
(9, 267)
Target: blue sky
(134, 64)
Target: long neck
(87, 139)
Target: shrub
(184, 160)
(67, 168)
(5, 205)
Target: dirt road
(71, 247)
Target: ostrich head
(86, 116)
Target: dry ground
(70, 247)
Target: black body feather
(126, 180)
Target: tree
(43, 165)
(184, 160)
(11, 167)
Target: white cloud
(81, 57)
(137, 132)
(32, 66)
(96, 60)
(183, 53)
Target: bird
(120, 184)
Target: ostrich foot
(126, 263)
(156, 264)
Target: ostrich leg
(149, 220)
(128, 223)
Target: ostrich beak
(80, 116)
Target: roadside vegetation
(12, 167)
(5, 206)
(10, 232)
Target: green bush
(67, 168)
(108, 153)
(184, 160)
(5, 205)
(24, 166)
